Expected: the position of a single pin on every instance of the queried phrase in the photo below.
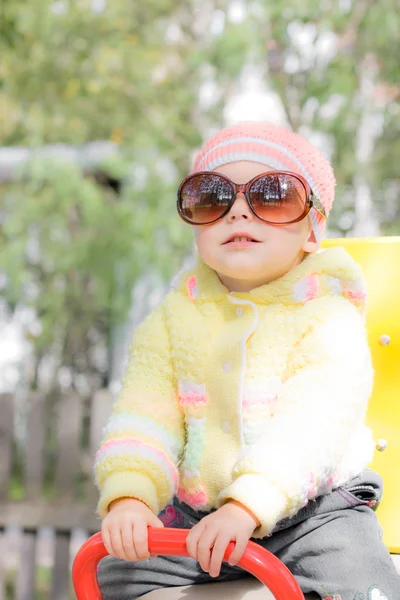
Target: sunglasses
(276, 197)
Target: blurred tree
(154, 77)
(334, 66)
(130, 72)
(72, 250)
(74, 72)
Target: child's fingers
(127, 541)
(156, 522)
(117, 544)
(217, 554)
(105, 535)
(193, 539)
(237, 553)
(204, 546)
(140, 538)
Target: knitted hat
(278, 148)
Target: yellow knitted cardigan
(258, 397)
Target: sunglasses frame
(311, 200)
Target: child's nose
(240, 209)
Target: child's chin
(244, 273)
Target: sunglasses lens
(278, 198)
(204, 198)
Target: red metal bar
(172, 542)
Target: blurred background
(103, 105)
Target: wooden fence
(47, 481)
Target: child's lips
(241, 237)
(241, 241)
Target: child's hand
(124, 529)
(208, 540)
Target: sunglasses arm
(317, 205)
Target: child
(246, 391)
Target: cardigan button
(226, 427)
(239, 312)
(227, 366)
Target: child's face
(278, 248)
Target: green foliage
(359, 73)
(80, 75)
(131, 73)
(68, 242)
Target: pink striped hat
(278, 148)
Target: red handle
(172, 542)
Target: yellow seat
(380, 259)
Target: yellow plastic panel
(380, 259)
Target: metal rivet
(384, 340)
(381, 445)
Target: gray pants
(332, 546)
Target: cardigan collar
(325, 272)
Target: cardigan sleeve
(143, 440)
(320, 408)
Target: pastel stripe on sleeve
(138, 426)
(136, 450)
